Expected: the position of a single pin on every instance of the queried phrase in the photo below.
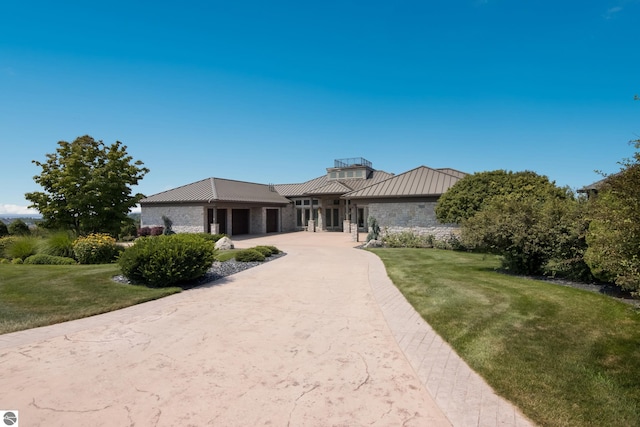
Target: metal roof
(323, 185)
(219, 190)
(421, 181)
(453, 172)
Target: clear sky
(274, 91)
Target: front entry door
(332, 218)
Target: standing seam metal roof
(218, 189)
(421, 181)
(323, 185)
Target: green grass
(39, 295)
(566, 357)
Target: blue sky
(273, 92)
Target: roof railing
(354, 161)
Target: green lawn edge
(565, 357)
(41, 295)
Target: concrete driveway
(314, 338)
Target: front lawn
(39, 295)
(566, 357)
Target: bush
(166, 260)
(49, 260)
(150, 231)
(267, 250)
(21, 247)
(407, 239)
(16, 261)
(95, 248)
(4, 231)
(128, 230)
(5, 242)
(19, 228)
(249, 255)
(273, 249)
(59, 243)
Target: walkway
(319, 337)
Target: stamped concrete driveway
(298, 341)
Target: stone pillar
(311, 227)
(346, 226)
(215, 228)
(354, 233)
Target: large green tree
(614, 231)
(87, 186)
(470, 194)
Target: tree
(473, 192)
(18, 227)
(87, 186)
(4, 231)
(613, 238)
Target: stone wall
(288, 218)
(416, 217)
(186, 219)
(257, 221)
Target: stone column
(311, 227)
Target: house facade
(341, 200)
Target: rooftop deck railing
(354, 161)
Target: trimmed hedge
(249, 255)
(167, 259)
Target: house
(342, 200)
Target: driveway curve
(298, 341)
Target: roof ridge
(214, 192)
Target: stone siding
(416, 217)
(288, 218)
(186, 219)
(257, 220)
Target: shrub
(19, 228)
(4, 231)
(5, 242)
(95, 248)
(166, 260)
(49, 260)
(17, 261)
(407, 239)
(150, 231)
(59, 243)
(21, 247)
(128, 231)
(273, 249)
(249, 255)
(267, 250)
(157, 231)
